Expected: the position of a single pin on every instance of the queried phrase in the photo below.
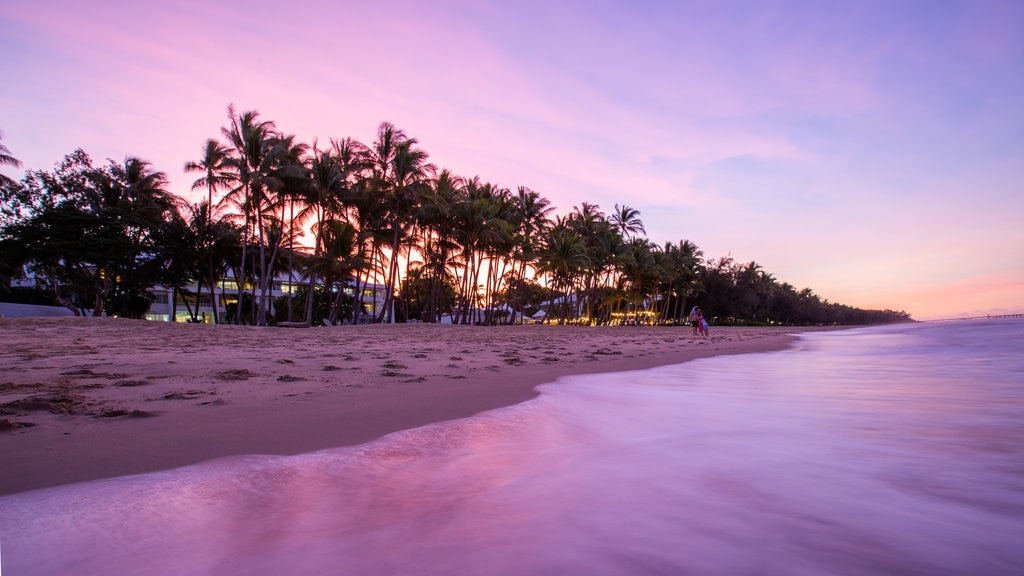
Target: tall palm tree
(366, 209)
(354, 205)
(590, 224)
(254, 150)
(289, 181)
(436, 219)
(530, 219)
(217, 173)
(323, 204)
(402, 179)
(497, 246)
(378, 200)
(479, 226)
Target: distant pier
(987, 317)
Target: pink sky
(872, 152)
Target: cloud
(862, 150)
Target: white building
(163, 307)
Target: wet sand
(89, 398)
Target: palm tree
(640, 274)
(563, 257)
(497, 245)
(436, 220)
(366, 209)
(377, 216)
(354, 204)
(131, 202)
(591, 225)
(323, 204)
(754, 288)
(180, 256)
(342, 256)
(681, 263)
(254, 150)
(403, 174)
(7, 160)
(607, 251)
(216, 167)
(353, 159)
(480, 226)
(530, 219)
(627, 221)
(188, 243)
(289, 181)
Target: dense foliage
(354, 215)
(98, 233)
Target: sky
(870, 151)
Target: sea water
(890, 450)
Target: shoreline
(92, 398)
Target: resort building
(179, 303)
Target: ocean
(882, 450)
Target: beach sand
(89, 398)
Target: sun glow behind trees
(440, 244)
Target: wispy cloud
(870, 151)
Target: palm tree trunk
(213, 291)
(209, 248)
(389, 284)
(264, 273)
(240, 279)
(188, 308)
(408, 267)
(174, 304)
(199, 299)
(255, 299)
(291, 254)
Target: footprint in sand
(242, 374)
(188, 395)
(118, 412)
(130, 383)
(6, 424)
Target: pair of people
(699, 322)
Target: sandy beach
(88, 398)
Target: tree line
(338, 218)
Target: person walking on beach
(695, 319)
(702, 324)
